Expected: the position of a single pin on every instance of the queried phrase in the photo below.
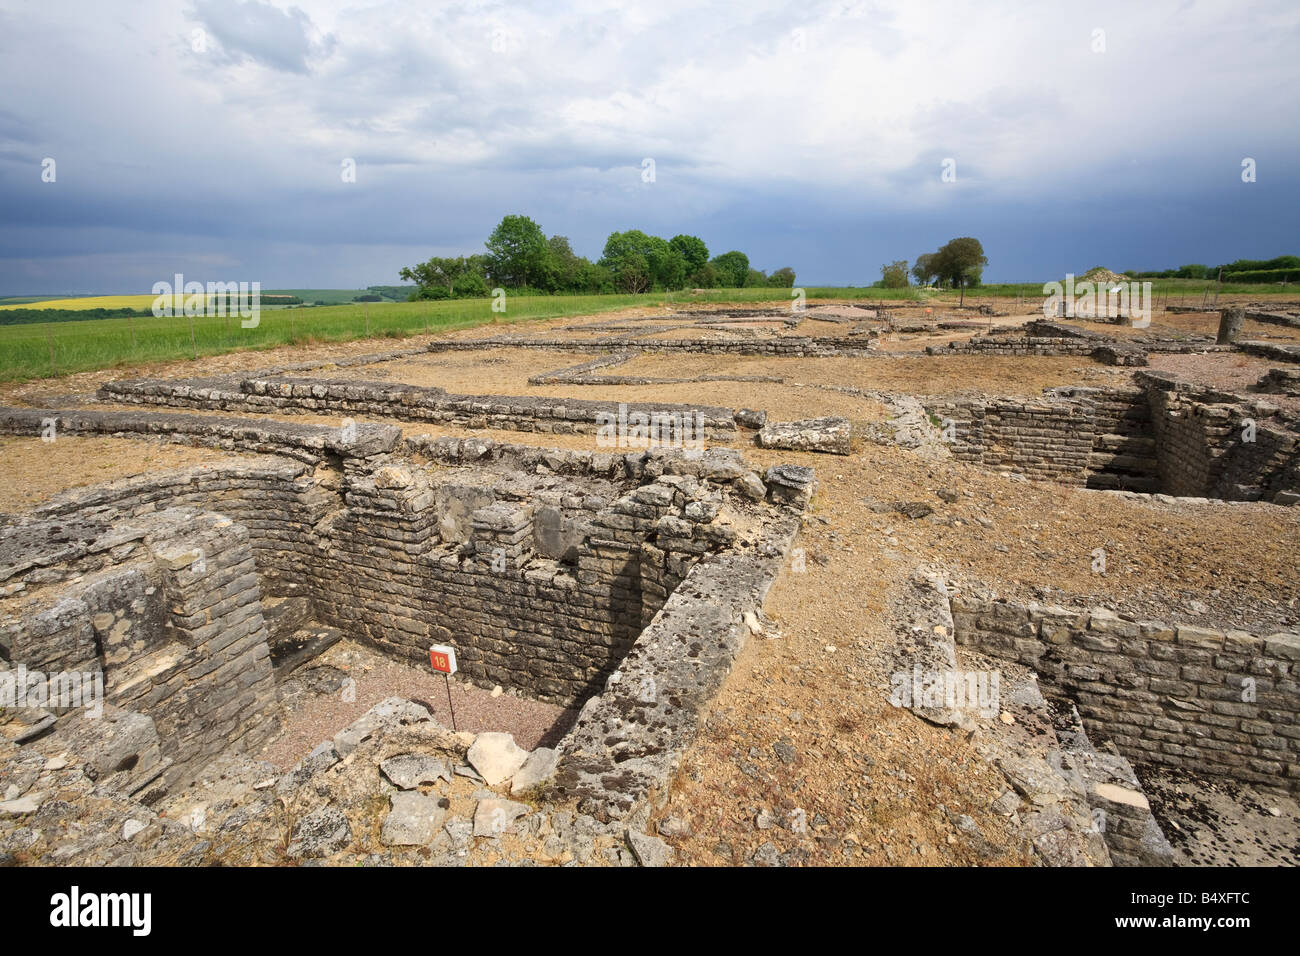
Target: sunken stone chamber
(542, 581)
(541, 567)
(163, 612)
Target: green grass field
(38, 350)
(58, 348)
(308, 296)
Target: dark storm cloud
(809, 135)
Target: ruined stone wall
(307, 443)
(1015, 345)
(171, 621)
(1047, 441)
(543, 583)
(547, 610)
(408, 403)
(791, 346)
(1042, 337)
(1123, 452)
(1156, 436)
(279, 502)
(1220, 702)
(1217, 445)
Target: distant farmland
(41, 349)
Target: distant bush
(27, 316)
(1291, 263)
(397, 293)
(1262, 275)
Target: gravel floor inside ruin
(802, 721)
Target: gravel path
(313, 717)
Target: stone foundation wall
(306, 443)
(541, 594)
(1222, 446)
(1041, 337)
(407, 403)
(1157, 436)
(1048, 441)
(279, 502)
(171, 622)
(541, 583)
(793, 346)
(1203, 700)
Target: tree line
(957, 264)
(520, 257)
(1241, 270)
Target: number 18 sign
(443, 659)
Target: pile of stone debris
(394, 788)
(1103, 276)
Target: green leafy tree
(925, 269)
(562, 270)
(517, 252)
(669, 268)
(960, 262)
(693, 250)
(706, 277)
(782, 278)
(894, 275)
(640, 262)
(732, 268)
(449, 274)
(755, 277)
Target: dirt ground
(870, 778)
(349, 678)
(35, 471)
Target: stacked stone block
(1206, 700)
(172, 622)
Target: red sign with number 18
(443, 659)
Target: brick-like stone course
(172, 622)
(1207, 700)
(405, 402)
(1158, 435)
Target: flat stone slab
(493, 817)
(830, 435)
(496, 757)
(537, 769)
(408, 771)
(649, 850)
(413, 820)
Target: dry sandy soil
(869, 777)
(35, 470)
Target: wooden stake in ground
(193, 341)
(49, 338)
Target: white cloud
(556, 104)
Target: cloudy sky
(210, 137)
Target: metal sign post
(443, 660)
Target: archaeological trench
(584, 543)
